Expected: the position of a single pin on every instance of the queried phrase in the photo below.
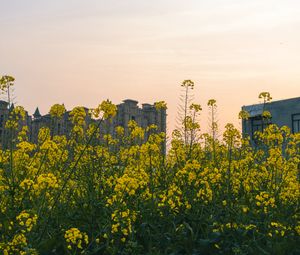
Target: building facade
(4, 111)
(5, 134)
(128, 110)
(283, 113)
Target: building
(5, 134)
(61, 126)
(284, 113)
(126, 111)
(3, 117)
(144, 117)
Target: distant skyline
(82, 52)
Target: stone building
(126, 111)
(61, 126)
(284, 113)
(5, 134)
(3, 117)
(144, 117)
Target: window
(58, 129)
(258, 124)
(1, 121)
(296, 123)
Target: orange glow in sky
(82, 52)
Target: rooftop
(257, 109)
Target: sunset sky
(82, 52)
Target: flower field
(92, 193)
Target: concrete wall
(281, 111)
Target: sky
(82, 52)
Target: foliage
(6, 84)
(93, 193)
(184, 113)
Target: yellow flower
(188, 84)
(25, 219)
(161, 105)
(57, 110)
(196, 107)
(212, 102)
(266, 96)
(106, 108)
(244, 115)
(245, 209)
(78, 115)
(266, 115)
(74, 237)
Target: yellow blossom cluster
(57, 111)
(106, 109)
(16, 116)
(264, 200)
(76, 239)
(132, 194)
(122, 222)
(26, 220)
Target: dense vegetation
(92, 193)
